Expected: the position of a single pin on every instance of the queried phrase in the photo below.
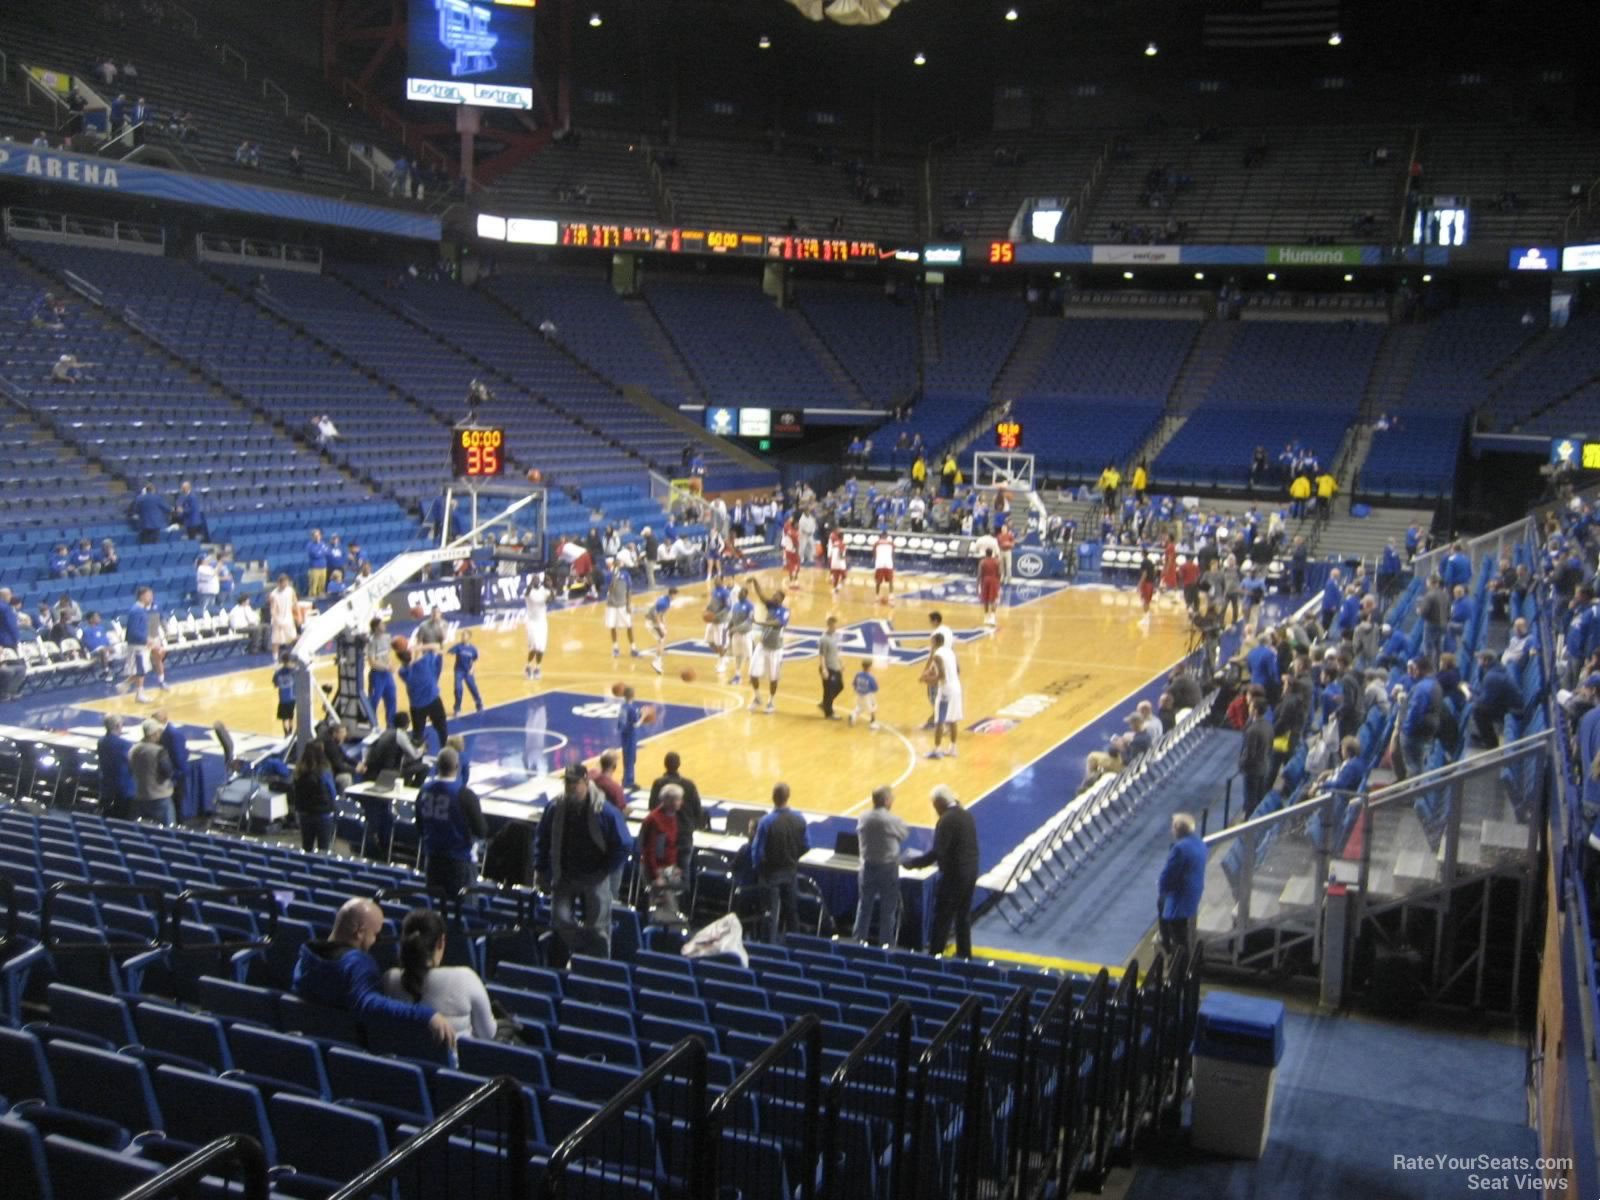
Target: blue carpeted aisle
(1104, 911)
(1352, 1096)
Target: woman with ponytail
(456, 993)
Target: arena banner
(1315, 256)
(1146, 256)
(107, 175)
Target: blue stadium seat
(200, 1108)
(389, 1084)
(497, 1058)
(285, 1056)
(189, 1035)
(92, 1012)
(81, 1169)
(597, 1047)
(27, 1177)
(327, 1140)
(114, 1087)
(24, 1068)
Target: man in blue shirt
(466, 658)
(449, 819)
(1497, 696)
(1332, 594)
(149, 514)
(1456, 570)
(95, 639)
(1462, 610)
(316, 564)
(338, 557)
(177, 747)
(421, 676)
(116, 776)
(1262, 662)
(630, 715)
(1388, 571)
(189, 513)
(141, 625)
(1589, 751)
(1420, 725)
(780, 842)
(1182, 881)
(341, 973)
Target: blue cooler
(1238, 1044)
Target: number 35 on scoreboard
(477, 452)
(1008, 435)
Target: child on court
(865, 685)
(466, 657)
(283, 680)
(656, 619)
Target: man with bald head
(341, 973)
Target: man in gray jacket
(152, 777)
(882, 833)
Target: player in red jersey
(790, 541)
(989, 585)
(838, 561)
(883, 564)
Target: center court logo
(1029, 565)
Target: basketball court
(1061, 658)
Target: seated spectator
(1519, 644)
(40, 141)
(67, 618)
(340, 973)
(96, 642)
(59, 564)
(455, 993)
(326, 429)
(68, 369)
(244, 618)
(81, 560)
(106, 69)
(129, 71)
(106, 561)
(296, 167)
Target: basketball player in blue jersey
(656, 619)
(142, 625)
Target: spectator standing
(1182, 881)
(1255, 756)
(830, 666)
(149, 515)
(581, 840)
(316, 565)
(450, 820)
(176, 745)
(955, 853)
(152, 772)
(207, 581)
(112, 753)
(691, 814)
(775, 853)
(882, 834)
(315, 795)
(659, 849)
(1434, 609)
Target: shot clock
(1008, 434)
(477, 452)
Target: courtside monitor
(471, 52)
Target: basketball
(618, 688)
(708, 616)
(400, 642)
(648, 715)
(418, 611)
(535, 475)
(687, 674)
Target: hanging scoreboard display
(477, 452)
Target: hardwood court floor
(1060, 658)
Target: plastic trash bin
(1237, 1046)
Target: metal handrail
(1501, 538)
(806, 1033)
(899, 1022)
(236, 1148)
(309, 123)
(968, 1018)
(690, 1052)
(126, 133)
(514, 1152)
(204, 894)
(268, 88)
(226, 52)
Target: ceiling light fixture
(1011, 14)
(1336, 38)
(764, 43)
(594, 21)
(1151, 49)
(921, 60)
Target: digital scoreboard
(1008, 435)
(477, 452)
(477, 52)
